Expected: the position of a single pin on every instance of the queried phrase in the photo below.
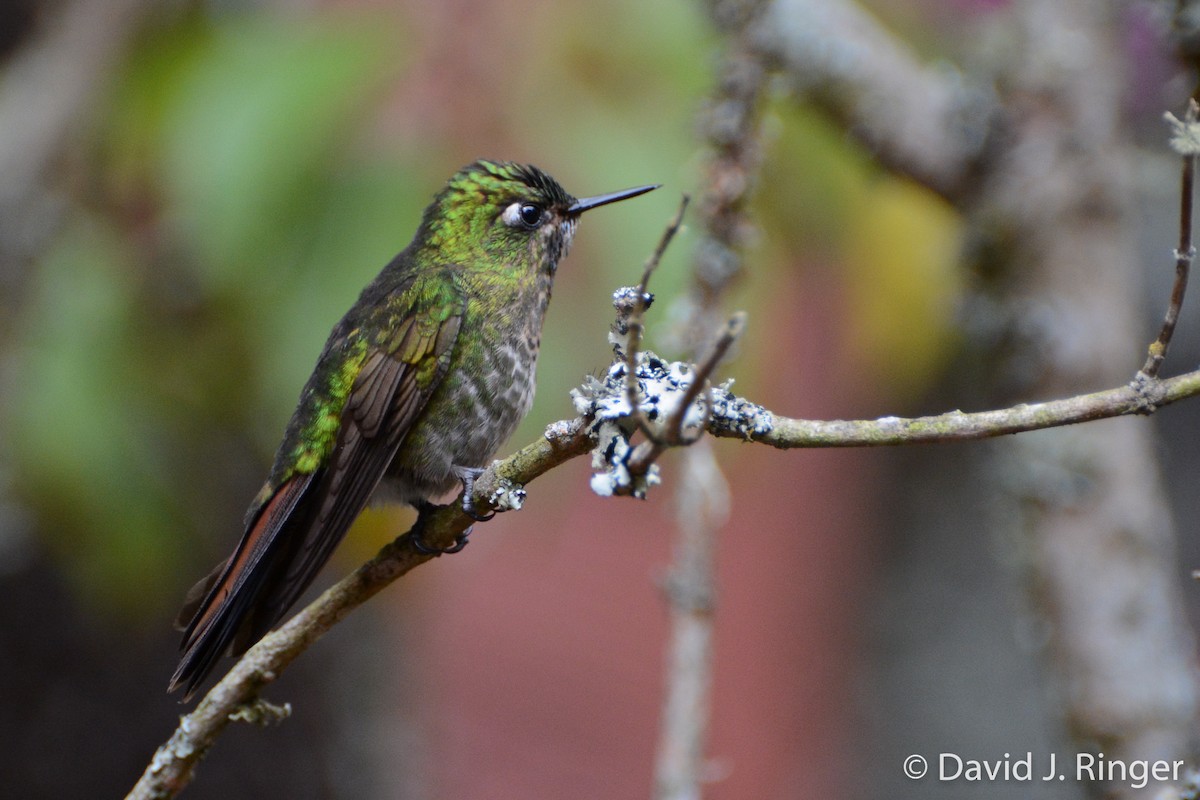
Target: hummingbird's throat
(557, 241)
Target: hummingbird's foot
(468, 475)
(469, 509)
(419, 544)
(418, 540)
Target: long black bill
(584, 203)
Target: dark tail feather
(221, 611)
(284, 548)
(196, 596)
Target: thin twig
(671, 433)
(635, 323)
(1139, 397)
(700, 375)
(1185, 144)
(664, 242)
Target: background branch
(45, 93)
(931, 123)
(1060, 190)
(1038, 169)
(730, 133)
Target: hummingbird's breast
(488, 389)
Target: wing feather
(296, 530)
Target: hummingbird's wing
(296, 529)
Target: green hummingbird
(426, 375)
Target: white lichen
(660, 387)
(558, 431)
(1185, 133)
(738, 415)
(507, 496)
(625, 301)
(261, 712)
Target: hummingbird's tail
(235, 605)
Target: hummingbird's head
(501, 214)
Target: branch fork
(644, 393)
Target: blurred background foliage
(244, 176)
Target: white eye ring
(523, 215)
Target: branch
(498, 487)
(1144, 395)
(927, 122)
(677, 421)
(734, 417)
(46, 90)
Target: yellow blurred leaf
(901, 251)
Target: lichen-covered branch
(663, 382)
(631, 304)
(639, 385)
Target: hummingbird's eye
(531, 215)
(523, 215)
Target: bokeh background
(197, 190)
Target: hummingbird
(418, 385)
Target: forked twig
(671, 433)
(1186, 142)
